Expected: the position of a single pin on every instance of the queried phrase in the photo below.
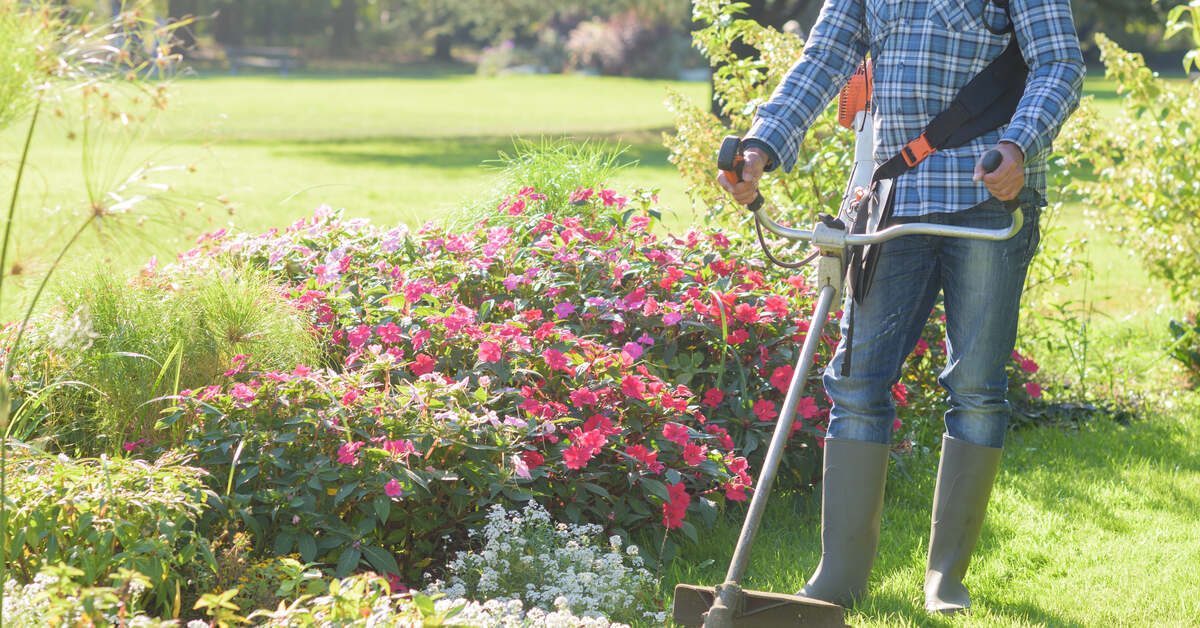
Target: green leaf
(383, 507)
(656, 488)
(382, 560)
(347, 562)
(689, 531)
(283, 544)
(308, 548)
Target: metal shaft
(783, 429)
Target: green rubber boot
(851, 504)
(964, 484)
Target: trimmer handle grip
(992, 160)
(731, 160)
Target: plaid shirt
(923, 52)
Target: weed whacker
(728, 605)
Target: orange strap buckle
(916, 151)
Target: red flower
(489, 352)
(1034, 389)
(694, 454)
(746, 313)
(900, 393)
(532, 459)
(713, 397)
(781, 377)
(738, 336)
(807, 408)
(765, 410)
(675, 508)
(531, 316)
(576, 456)
(390, 333)
(776, 304)
(675, 433)
(422, 364)
(1029, 366)
(735, 492)
(583, 397)
(555, 360)
(922, 347)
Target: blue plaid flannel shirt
(923, 52)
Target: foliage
(60, 595)
(1185, 346)
(740, 85)
(103, 516)
(1145, 163)
(629, 44)
(94, 381)
(527, 556)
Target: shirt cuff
(1028, 140)
(772, 156)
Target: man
(924, 51)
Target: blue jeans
(981, 283)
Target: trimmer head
(759, 609)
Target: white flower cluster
(527, 557)
(28, 606)
(512, 614)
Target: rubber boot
(851, 504)
(964, 484)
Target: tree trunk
(441, 46)
(345, 28)
(227, 27)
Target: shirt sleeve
(837, 43)
(1045, 31)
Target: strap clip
(916, 151)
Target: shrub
(629, 43)
(124, 345)
(100, 517)
(1145, 161)
(1185, 347)
(527, 556)
(59, 595)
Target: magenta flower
(632, 351)
(348, 453)
(564, 309)
(390, 333)
(392, 488)
(350, 397)
(675, 433)
(1034, 389)
(242, 392)
(765, 410)
(489, 352)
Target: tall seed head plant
(93, 72)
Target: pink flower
(392, 488)
(713, 397)
(583, 397)
(576, 456)
(564, 309)
(675, 433)
(694, 454)
(348, 453)
(1034, 389)
(419, 338)
(610, 197)
(633, 387)
(489, 352)
(765, 410)
(532, 459)
(735, 492)
(555, 360)
(422, 364)
(399, 448)
(350, 397)
(242, 392)
(135, 444)
(390, 333)
(922, 348)
(632, 351)
(746, 313)
(807, 408)
(581, 195)
(1029, 366)
(359, 336)
(738, 336)
(301, 371)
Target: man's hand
(1006, 181)
(752, 170)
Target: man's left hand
(1006, 181)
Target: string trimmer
(728, 605)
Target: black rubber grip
(991, 160)
(730, 159)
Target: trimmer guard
(760, 609)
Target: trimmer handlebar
(730, 161)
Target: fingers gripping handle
(992, 160)
(731, 161)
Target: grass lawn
(1092, 526)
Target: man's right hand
(752, 170)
